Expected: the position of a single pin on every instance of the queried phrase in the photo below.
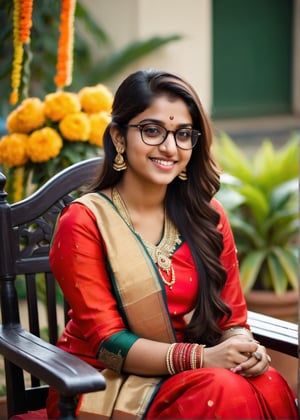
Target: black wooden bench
(33, 363)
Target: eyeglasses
(155, 134)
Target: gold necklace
(161, 253)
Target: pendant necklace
(161, 253)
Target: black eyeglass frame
(141, 127)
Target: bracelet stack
(184, 356)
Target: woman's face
(158, 164)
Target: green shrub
(260, 194)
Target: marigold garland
(22, 23)
(64, 65)
(18, 55)
(25, 20)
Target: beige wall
(130, 20)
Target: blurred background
(242, 57)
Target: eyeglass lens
(154, 134)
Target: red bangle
(184, 356)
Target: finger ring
(258, 356)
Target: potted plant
(260, 194)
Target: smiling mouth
(166, 163)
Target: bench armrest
(274, 333)
(66, 373)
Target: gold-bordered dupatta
(139, 290)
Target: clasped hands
(256, 363)
(240, 354)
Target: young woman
(147, 262)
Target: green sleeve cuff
(112, 352)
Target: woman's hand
(240, 354)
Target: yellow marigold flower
(96, 98)
(28, 116)
(75, 127)
(44, 144)
(99, 122)
(59, 104)
(13, 149)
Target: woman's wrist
(184, 356)
(236, 330)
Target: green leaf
(289, 234)
(250, 267)
(229, 198)
(242, 228)
(106, 68)
(288, 157)
(282, 226)
(289, 262)
(278, 276)
(232, 159)
(263, 160)
(256, 201)
(281, 195)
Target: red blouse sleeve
(78, 262)
(232, 292)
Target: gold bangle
(169, 359)
(236, 331)
(194, 356)
(202, 355)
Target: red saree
(78, 260)
(220, 394)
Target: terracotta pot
(280, 306)
(283, 307)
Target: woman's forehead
(164, 108)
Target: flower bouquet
(46, 136)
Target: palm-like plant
(260, 194)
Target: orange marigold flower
(25, 20)
(27, 117)
(75, 127)
(64, 64)
(96, 98)
(13, 149)
(99, 122)
(44, 144)
(59, 104)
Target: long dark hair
(188, 203)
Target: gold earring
(119, 162)
(183, 175)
